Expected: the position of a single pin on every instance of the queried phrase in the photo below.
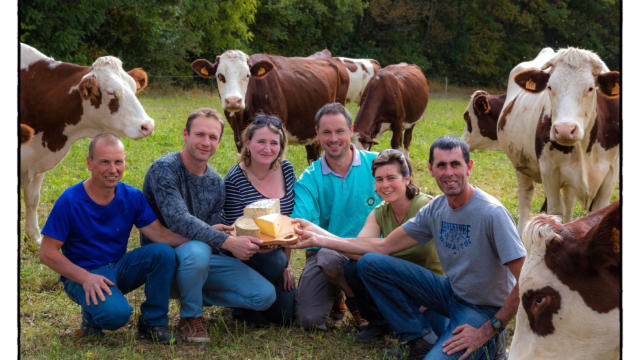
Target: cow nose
(147, 128)
(565, 132)
(232, 103)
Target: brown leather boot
(359, 321)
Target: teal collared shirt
(338, 204)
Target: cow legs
(313, 151)
(556, 200)
(603, 196)
(407, 141)
(526, 188)
(396, 137)
(31, 189)
(568, 203)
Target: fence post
(446, 85)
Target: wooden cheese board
(286, 236)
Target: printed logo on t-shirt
(370, 201)
(455, 237)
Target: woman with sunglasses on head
(263, 173)
(401, 201)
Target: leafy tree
(300, 28)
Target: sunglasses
(398, 152)
(266, 120)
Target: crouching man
(91, 223)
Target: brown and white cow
(395, 99)
(291, 88)
(570, 289)
(360, 72)
(560, 126)
(481, 119)
(64, 102)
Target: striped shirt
(240, 192)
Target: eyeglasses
(398, 152)
(266, 120)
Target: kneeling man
(91, 223)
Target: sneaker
(415, 349)
(90, 330)
(359, 321)
(192, 329)
(339, 307)
(372, 333)
(160, 334)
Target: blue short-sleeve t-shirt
(94, 235)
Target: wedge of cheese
(246, 226)
(262, 207)
(271, 224)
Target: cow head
(481, 120)
(570, 80)
(232, 70)
(109, 99)
(363, 141)
(569, 288)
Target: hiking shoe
(192, 329)
(359, 321)
(160, 334)
(372, 333)
(90, 330)
(339, 307)
(415, 349)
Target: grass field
(49, 320)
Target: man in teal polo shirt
(335, 192)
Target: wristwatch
(497, 324)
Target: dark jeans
(271, 265)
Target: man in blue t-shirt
(480, 251)
(91, 223)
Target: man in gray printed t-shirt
(481, 254)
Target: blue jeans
(152, 265)
(271, 266)
(204, 278)
(399, 287)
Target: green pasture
(49, 320)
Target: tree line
(471, 42)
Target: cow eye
(591, 89)
(221, 78)
(111, 93)
(549, 87)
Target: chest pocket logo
(370, 201)
(455, 237)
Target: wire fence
(184, 82)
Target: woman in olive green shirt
(402, 200)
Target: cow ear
(605, 238)
(140, 77)
(481, 104)
(532, 80)
(261, 69)
(205, 68)
(26, 134)
(90, 90)
(609, 83)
